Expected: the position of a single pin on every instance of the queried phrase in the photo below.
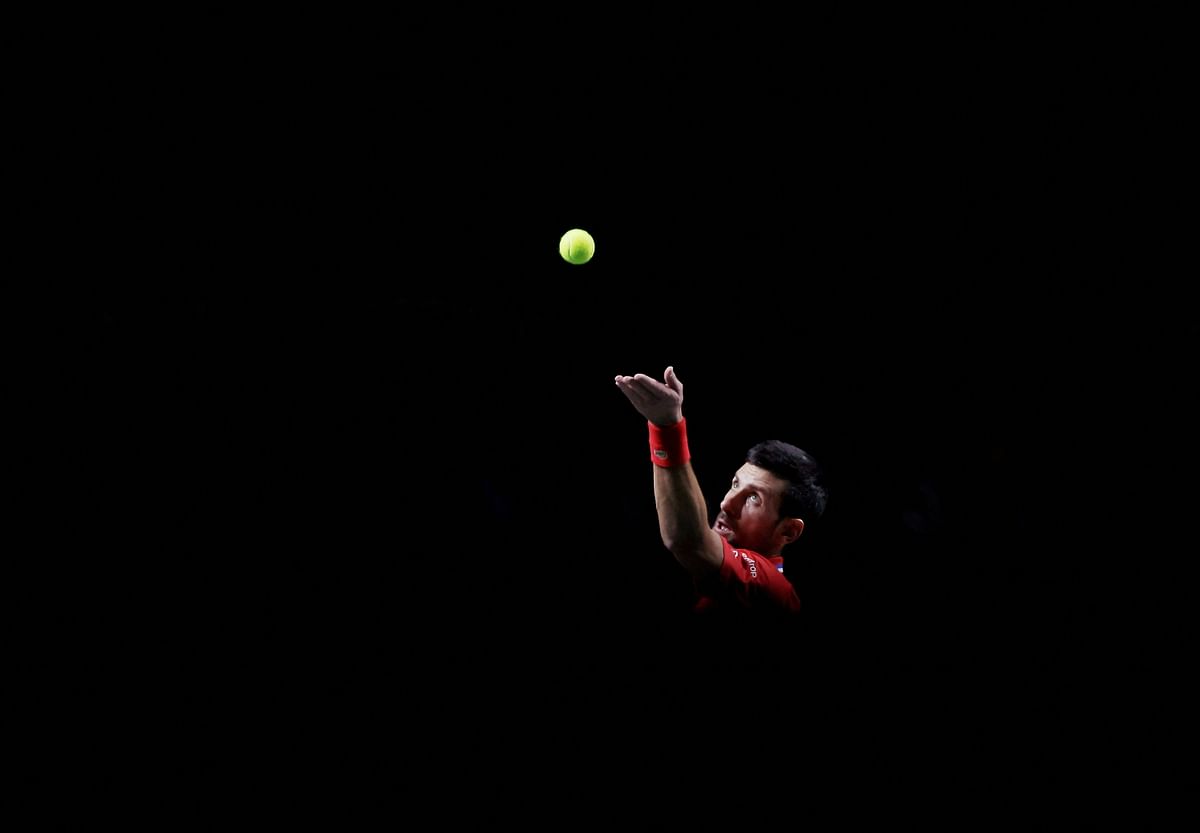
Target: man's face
(749, 516)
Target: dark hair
(806, 493)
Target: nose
(728, 503)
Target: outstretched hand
(659, 402)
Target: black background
(351, 418)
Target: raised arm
(682, 513)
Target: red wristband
(668, 444)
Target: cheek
(765, 516)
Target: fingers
(638, 390)
(641, 390)
(647, 384)
(630, 383)
(670, 382)
(640, 380)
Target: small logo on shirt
(660, 454)
(749, 563)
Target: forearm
(682, 514)
(683, 519)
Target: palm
(659, 402)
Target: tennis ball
(577, 246)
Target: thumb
(672, 380)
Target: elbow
(679, 543)
(689, 549)
(696, 557)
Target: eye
(756, 498)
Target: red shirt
(749, 581)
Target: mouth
(723, 529)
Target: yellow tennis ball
(577, 246)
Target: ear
(793, 529)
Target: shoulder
(756, 580)
(747, 561)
